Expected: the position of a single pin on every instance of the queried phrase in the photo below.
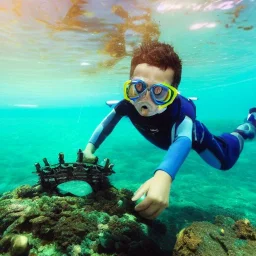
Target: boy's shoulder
(186, 107)
(123, 107)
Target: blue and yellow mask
(162, 94)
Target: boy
(168, 120)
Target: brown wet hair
(160, 55)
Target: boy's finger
(138, 190)
(139, 193)
(91, 160)
(144, 206)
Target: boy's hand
(157, 190)
(89, 157)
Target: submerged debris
(50, 176)
(245, 27)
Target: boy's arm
(157, 189)
(100, 134)
(179, 149)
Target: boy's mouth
(144, 110)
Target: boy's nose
(146, 95)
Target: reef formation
(34, 222)
(226, 237)
(38, 223)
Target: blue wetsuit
(177, 131)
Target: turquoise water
(53, 94)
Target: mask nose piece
(146, 94)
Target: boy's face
(150, 75)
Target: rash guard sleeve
(179, 149)
(105, 128)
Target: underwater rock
(226, 237)
(244, 230)
(18, 244)
(34, 222)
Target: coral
(224, 238)
(187, 242)
(244, 230)
(102, 223)
(34, 223)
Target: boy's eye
(157, 90)
(139, 87)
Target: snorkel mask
(161, 95)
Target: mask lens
(139, 87)
(135, 88)
(131, 91)
(161, 93)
